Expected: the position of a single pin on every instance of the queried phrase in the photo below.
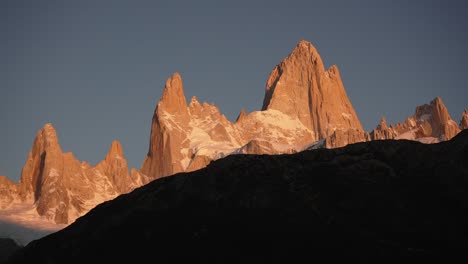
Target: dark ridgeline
(375, 198)
(7, 247)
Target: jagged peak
(47, 137)
(305, 45)
(48, 125)
(383, 124)
(464, 120)
(194, 103)
(4, 180)
(304, 57)
(173, 98)
(437, 100)
(115, 150)
(85, 165)
(49, 129)
(241, 115)
(409, 122)
(194, 100)
(333, 71)
(436, 109)
(305, 51)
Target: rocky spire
(383, 124)
(168, 128)
(45, 155)
(382, 131)
(115, 150)
(435, 120)
(301, 88)
(61, 187)
(241, 115)
(173, 99)
(115, 167)
(464, 120)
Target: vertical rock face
(383, 131)
(115, 167)
(169, 125)
(435, 120)
(60, 186)
(301, 87)
(305, 106)
(8, 192)
(44, 159)
(464, 120)
(430, 123)
(241, 115)
(303, 103)
(185, 137)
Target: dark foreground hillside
(375, 198)
(7, 247)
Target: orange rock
(8, 192)
(61, 187)
(438, 120)
(430, 123)
(464, 120)
(303, 103)
(168, 130)
(300, 87)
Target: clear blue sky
(96, 69)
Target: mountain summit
(303, 103)
(59, 187)
(305, 107)
(301, 88)
(430, 123)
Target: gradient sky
(96, 69)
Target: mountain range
(389, 198)
(305, 107)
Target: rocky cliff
(304, 103)
(305, 107)
(62, 188)
(430, 123)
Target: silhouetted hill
(374, 198)
(7, 247)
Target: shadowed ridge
(385, 197)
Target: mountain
(304, 103)
(301, 88)
(391, 197)
(59, 186)
(305, 107)
(464, 120)
(430, 123)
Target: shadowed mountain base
(375, 198)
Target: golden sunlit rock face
(301, 88)
(303, 103)
(430, 123)
(8, 191)
(60, 186)
(464, 120)
(305, 106)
